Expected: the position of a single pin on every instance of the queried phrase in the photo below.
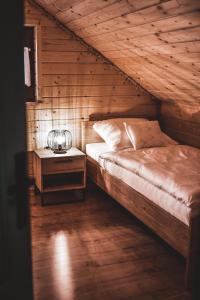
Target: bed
(171, 210)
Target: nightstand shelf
(62, 188)
(59, 172)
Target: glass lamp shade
(59, 141)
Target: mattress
(95, 150)
(164, 200)
(174, 169)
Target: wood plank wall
(156, 42)
(74, 84)
(181, 123)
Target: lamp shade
(59, 141)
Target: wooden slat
(162, 26)
(55, 33)
(78, 113)
(81, 9)
(74, 83)
(127, 102)
(100, 116)
(84, 79)
(154, 42)
(186, 132)
(61, 45)
(62, 91)
(65, 68)
(68, 57)
(112, 11)
(177, 36)
(172, 48)
(141, 17)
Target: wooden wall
(156, 42)
(181, 124)
(73, 83)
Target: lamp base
(59, 151)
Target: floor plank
(95, 249)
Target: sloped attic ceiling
(156, 42)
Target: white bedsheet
(155, 194)
(96, 149)
(174, 169)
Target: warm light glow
(60, 139)
(62, 268)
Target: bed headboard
(88, 135)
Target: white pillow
(147, 134)
(113, 132)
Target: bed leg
(193, 260)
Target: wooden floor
(96, 250)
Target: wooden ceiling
(156, 42)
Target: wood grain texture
(144, 209)
(186, 132)
(183, 238)
(75, 83)
(96, 250)
(155, 42)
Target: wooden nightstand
(59, 172)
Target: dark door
(15, 254)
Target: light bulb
(60, 139)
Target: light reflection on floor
(62, 273)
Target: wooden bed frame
(185, 239)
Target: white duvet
(174, 169)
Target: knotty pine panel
(76, 68)
(68, 57)
(75, 83)
(182, 122)
(171, 26)
(117, 9)
(84, 79)
(146, 14)
(157, 43)
(82, 8)
(62, 91)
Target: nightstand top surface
(47, 153)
